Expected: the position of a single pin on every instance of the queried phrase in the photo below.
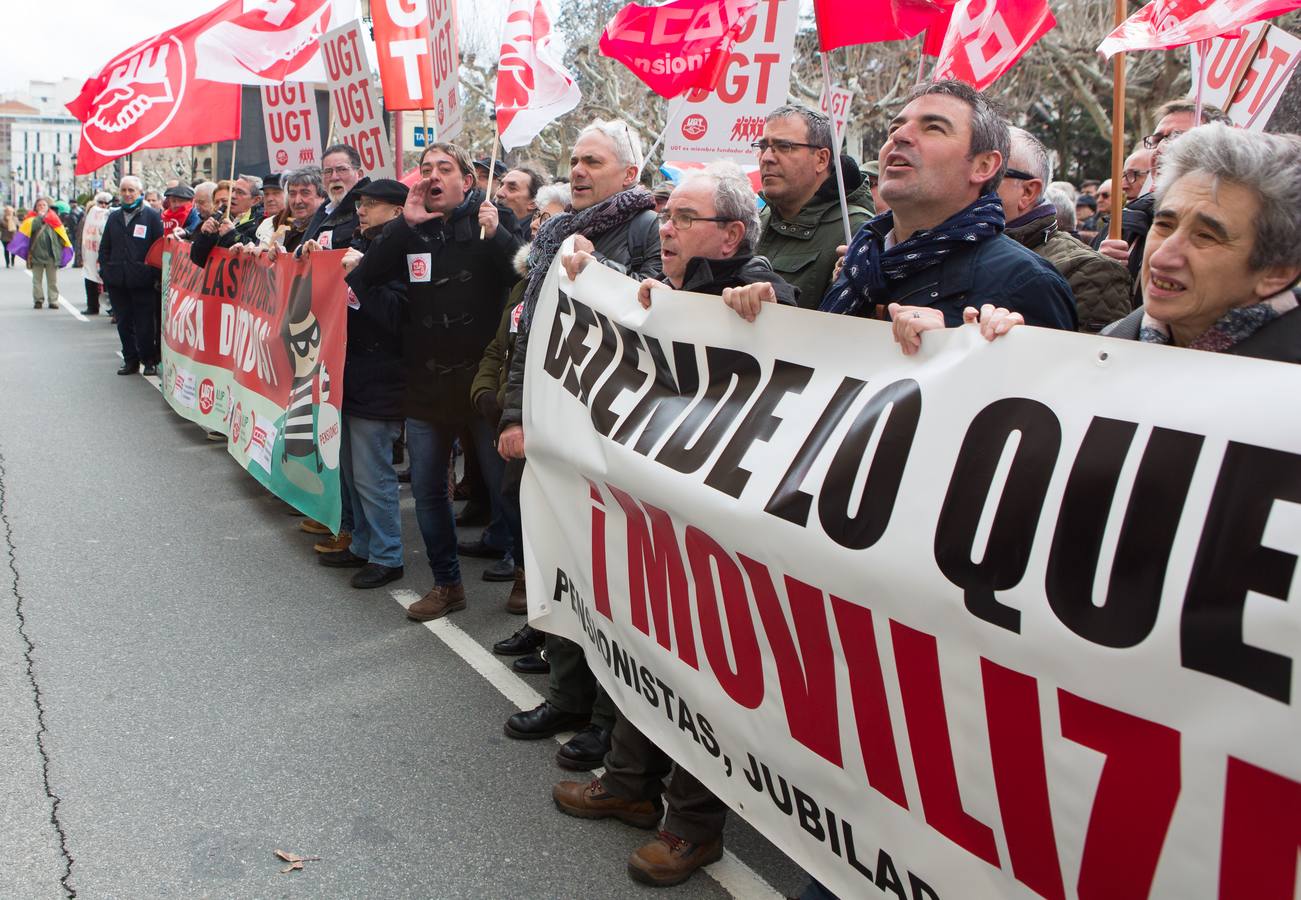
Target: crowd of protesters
(958, 221)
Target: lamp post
(58, 178)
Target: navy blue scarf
(869, 267)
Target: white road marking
(72, 310)
(732, 875)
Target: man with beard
(332, 226)
(457, 283)
(613, 223)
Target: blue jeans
(429, 444)
(372, 486)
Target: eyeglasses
(1018, 175)
(683, 221)
(1131, 175)
(1104, 195)
(337, 170)
(1152, 141)
(784, 148)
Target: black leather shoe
(151, 371)
(533, 664)
(404, 477)
(543, 722)
(526, 640)
(502, 570)
(585, 750)
(373, 575)
(474, 513)
(341, 559)
(479, 550)
(129, 369)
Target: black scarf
(869, 267)
(591, 223)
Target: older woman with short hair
(1224, 252)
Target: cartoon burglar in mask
(302, 337)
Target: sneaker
(341, 541)
(311, 526)
(593, 801)
(373, 575)
(670, 860)
(517, 604)
(441, 599)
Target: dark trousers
(635, 769)
(9, 257)
(92, 296)
(135, 310)
(573, 686)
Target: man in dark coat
(239, 227)
(613, 223)
(455, 249)
(132, 285)
(335, 221)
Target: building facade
(38, 144)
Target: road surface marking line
(72, 310)
(732, 875)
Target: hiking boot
(518, 602)
(311, 526)
(441, 599)
(341, 541)
(670, 860)
(592, 801)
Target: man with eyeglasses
(335, 222)
(801, 221)
(707, 239)
(239, 227)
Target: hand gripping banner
(999, 620)
(255, 350)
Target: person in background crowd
(613, 223)
(203, 200)
(488, 394)
(334, 223)
(707, 237)
(481, 172)
(92, 232)
(1065, 186)
(872, 171)
(1089, 187)
(802, 225)
(243, 197)
(273, 211)
(372, 404)
(41, 240)
(518, 191)
(457, 284)
(1086, 214)
(179, 209)
(154, 199)
(1063, 205)
(1134, 175)
(8, 228)
(661, 193)
(70, 214)
(1100, 285)
(942, 246)
(129, 232)
(304, 196)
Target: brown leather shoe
(518, 602)
(311, 526)
(669, 860)
(441, 599)
(591, 801)
(341, 541)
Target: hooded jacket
(1101, 285)
(802, 250)
(456, 288)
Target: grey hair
(553, 193)
(734, 200)
(1064, 203)
(1269, 165)
(134, 180)
(821, 134)
(627, 145)
(1028, 147)
(254, 183)
(1210, 114)
(306, 175)
(103, 197)
(989, 129)
(206, 188)
(1062, 186)
(153, 191)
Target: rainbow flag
(22, 241)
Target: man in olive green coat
(801, 223)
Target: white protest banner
(445, 54)
(838, 109)
(756, 79)
(289, 118)
(354, 103)
(997, 620)
(1258, 63)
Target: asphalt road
(183, 690)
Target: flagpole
(669, 116)
(835, 156)
(492, 166)
(1117, 130)
(233, 144)
(921, 59)
(397, 155)
(1204, 48)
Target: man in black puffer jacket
(613, 223)
(454, 251)
(372, 402)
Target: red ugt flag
(981, 46)
(1164, 24)
(533, 88)
(842, 23)
(678, 46)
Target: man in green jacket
(801, 223)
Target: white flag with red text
(533, 88)
(985, 38)
(268, 41)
